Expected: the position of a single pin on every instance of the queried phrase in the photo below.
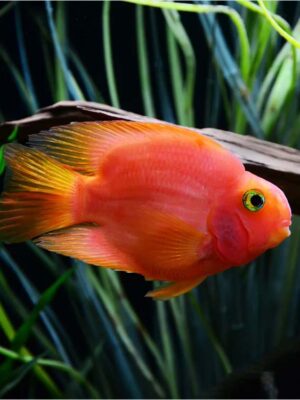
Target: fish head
(249, 219)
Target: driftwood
(277, 163)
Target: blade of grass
(46, 258)
(14, 303)
(18, 79)
(55, 78)
(6, 8)
(212, 336)
(203, 9)
(180, 316)
(73, 88)
(282, 90)
(260, 45)
(15, 378)
(22, 334)
(167, 349)
(127, 376)
(183, 100)
(217, 96)
(124, 337)
(288, 69)
(160, 75)
(42, 375)
(143, 62)
(2, 160)
(6, 325)
(270, 77)
(288, 285)
(61, 87)
(90, 88)
(24, 331)
(9, 298)
(176, 76)
(107, 48)
(294, 42)
(58, 365)
(24, 61)
(13, 135)
(281, 80)
(33, 295)
(10, 138)
(257, 9)
(231, 73)
(121, 296)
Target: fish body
(150, 198)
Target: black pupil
(256, 200)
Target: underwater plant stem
(107, 47)
(287, 289)
(61, 89)
(34, 297)
(201, 9)
(277, 27)
(230, 71)
(125, 338)
(24, 60)
(6, 325)
(51, 364)
(41, 374)
(72, 87)
(166, 339)
(176, 76)
(254, 7)
(114, 279)
(160, 78)
(144, 63)
(179, 313)
(6, 8)
(18, 78)
(212, 336)
(108, 324)
(185, 92)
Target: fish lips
(280, 234)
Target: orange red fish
(151, 198)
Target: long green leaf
(24, 331)
(107, 47)
(143, 61)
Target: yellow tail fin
(37, 195)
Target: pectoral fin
(168, 242)
(174, 289)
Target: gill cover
(230, 237)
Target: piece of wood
(276, 163)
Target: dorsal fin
(82, 145)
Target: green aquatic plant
(70, 330)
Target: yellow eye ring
(253, 200)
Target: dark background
(84, 32)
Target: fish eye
(253, 200)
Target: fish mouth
(282, 233)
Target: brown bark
(277, 163)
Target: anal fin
(174, 289)
(87, 243)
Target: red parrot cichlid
(151, 198)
